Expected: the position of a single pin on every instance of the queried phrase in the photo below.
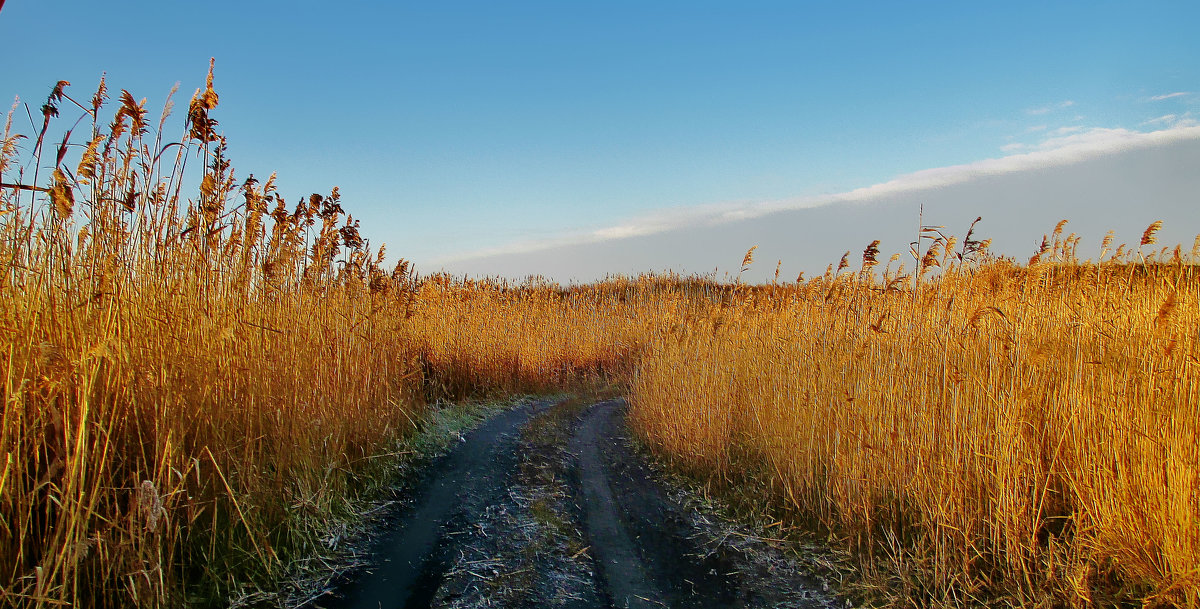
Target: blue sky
(456, 127)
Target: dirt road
(551, 505)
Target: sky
(463, 134)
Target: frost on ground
(553, 506)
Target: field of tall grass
(1029, 433)
(200, 377)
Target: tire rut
(614, 547)
(553, 506)
(642, 546)
(412, 557)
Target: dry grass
(190, 384)
(995, 433)
(533, 336)
(197, 385)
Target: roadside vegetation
(200, 376)
(1029, 433)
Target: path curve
(552, 505)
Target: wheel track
(640, 547)
(413, 555)
(643, 546)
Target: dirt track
(552, 506)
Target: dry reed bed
(190, 384)
(534, 336)
(196, 386)
(1028, 434)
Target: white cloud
(1173, 120)
(1063, 150)
(1066, 130)
(1164, 119)
(1169, 95)
(1047, 109)
(1067, 146)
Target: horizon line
(1053, 152)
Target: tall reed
(994, 431)
(196, 386)
(191, 384)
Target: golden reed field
(200, 377)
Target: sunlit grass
(1028, 433)
(197, 384)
